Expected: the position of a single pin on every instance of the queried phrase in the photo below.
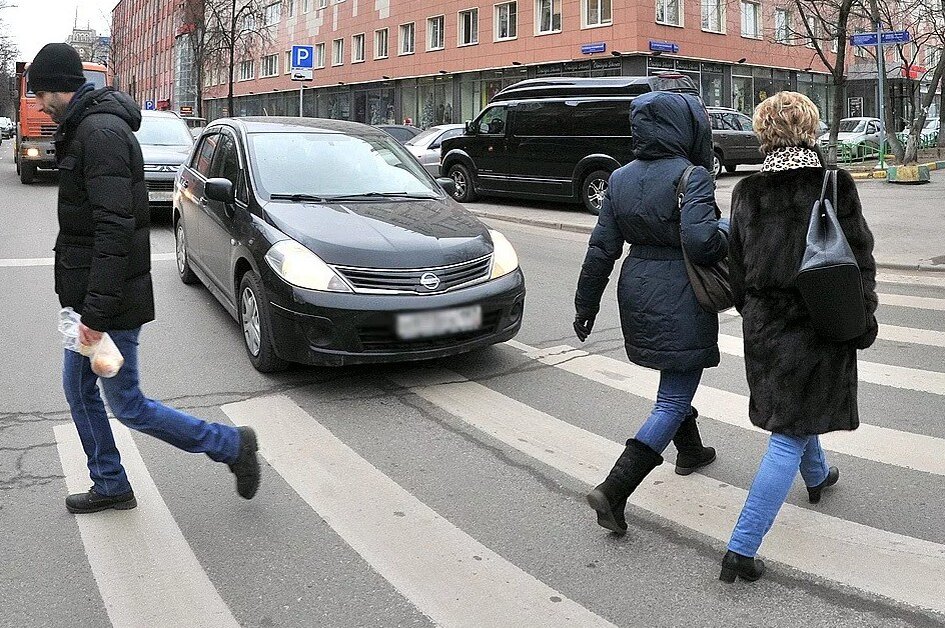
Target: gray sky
(34, 23)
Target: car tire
(255, 325)
(717, 164)
(465, 191)
(27, 173)
(731, 169)
(593, 188)
(184, 271)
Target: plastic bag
(105, 357)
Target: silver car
(426, 146)
(165, 143)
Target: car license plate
(439, 323)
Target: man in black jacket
(103, 272)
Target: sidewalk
(908, 223)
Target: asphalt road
(451, 493)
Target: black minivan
(554, 138)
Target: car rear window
(599, 118)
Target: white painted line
(920, 303)
(13, 262)
(885, 563)
(445, 573)
(146, 571)
(909, 335)
(912, 280)
(870, 442)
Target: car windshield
(331, 164)
(852, 126)
(931, 123)
(422, 138)
(164, 131)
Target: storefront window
(763, 87)
(712, 89)
(408, 102)
(335, 104)
(742, 94)
(435, 101)
(470, 96)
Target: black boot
(813, 492)
(745, 567)
(692, 455)
(246, 466)
(609, 498)
(82, 503)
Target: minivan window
(601, 118)
(492, 121)
(542, 119)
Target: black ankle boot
(83, 503)
(609, 498)
(813, 492)
(744, 567)
(692, 455)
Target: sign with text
(855, 107)
(663, 46)
(871, 39)
(590, 49)
(302, 63)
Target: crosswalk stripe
(870, 442)
(883, 374)
(920, 303)
(445, 573)
(145, 570)
(912, 280)
(19, 262)
(928, 337)
(851, 553)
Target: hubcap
(181, 249)
(250, 320)
(717, 165)
(459, 180)
(595, 192)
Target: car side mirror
(220, 190)
(469, 128)
(448, 185)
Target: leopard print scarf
(791, 158)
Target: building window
(813, 27)
(669, 12)
(782, 26)
(273, 13)
(407, 38)
(751, 19)
(506, 21)
(247, 70)
(270, 65)
(381, 43)
(357, 48)
(933, 55)
(436, 36)
(319, 53)
(338, 52)
(288, 61)
(596, 13)
(249, 23)
(306, 6)
(290, 5)
(468, 27)
(547, 16)
(322, 4)
(713, 16)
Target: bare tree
(8, 56)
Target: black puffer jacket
(663, 325)
(103, 255)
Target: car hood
(417, 150)
(174, 155)
(384, 234)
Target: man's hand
(88, 336)
(583, 326)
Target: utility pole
(881, 100)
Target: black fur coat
(800, 384)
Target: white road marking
(856, 555)
(13, 262)
(145, 570)
(870, 442)
(919, 303)
(445, 573)
(909, 335)
(936, 280)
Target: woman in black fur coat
(801, 385)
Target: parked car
(556, 138)
(165, 143)
(400, 132)
(861, 135)
(7, 128)
(929, 131)
(195, 124)
(378, 265)
(426, 146)
(733, 140)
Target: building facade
(143, 51)
(90, 45)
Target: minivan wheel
(255, 324)
(464, 192)
(593, 190)
(184, 271)
(716, 165)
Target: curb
(573, 228)
(882, 174)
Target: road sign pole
(881, 100)
(301, 89)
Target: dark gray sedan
(165, 143)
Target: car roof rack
(601, 86)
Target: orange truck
(33, 146)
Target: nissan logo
(429, 281)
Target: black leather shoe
(246, 467)
(83, 503)
(813, 492)
(745, 567)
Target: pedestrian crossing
(148, 574)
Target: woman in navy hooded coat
(664, 327)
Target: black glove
(583, 326)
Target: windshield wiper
(298, 198)
(407, 195)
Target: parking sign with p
(303, 61)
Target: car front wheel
(717, 165)
(462, 180)
(593, 190)
(256, 325)
(184, 271)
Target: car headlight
(300, 267)
(504, 259)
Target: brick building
(143, 51)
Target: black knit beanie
(56, 68)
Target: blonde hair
(786, 119)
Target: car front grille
(160, 186)
(417, 280)
(383, 338)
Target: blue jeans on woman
(769, 490)
(673, 405)
(220, 442)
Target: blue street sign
(896, 37)
(889, 38)
(589, 49)
(663, 46)
(149, 105)
(303, 57)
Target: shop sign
(577, 66)
(606, 64)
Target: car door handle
(185, 184)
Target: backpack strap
(683, 185)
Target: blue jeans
(220, 442)
(769, 490)
(673, 404)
